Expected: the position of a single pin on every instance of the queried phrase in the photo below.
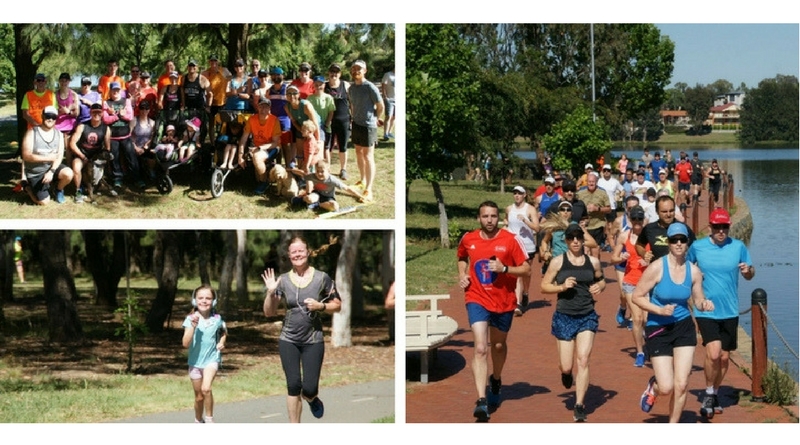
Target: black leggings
(310, 356)
(340, 132)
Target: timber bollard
(695, 217)
(729, 201)
(758, 299)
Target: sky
(738, 53)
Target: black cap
(573, 230)
(144, 75)
(192, 62)
(213, 57)
(96, 106)
(637, 212)
(334, 67)
(263, 73)
(305, 66)
(65, 76)
(264, 100)
(86, 81)
(239, 62)
(568, 185)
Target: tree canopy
(770, 111)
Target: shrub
(779, 388)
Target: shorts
(611, 216)
(724, 331)
(477, 313)
(323, 198)
(566, 327)
(661, 340)
(599, 234)
(627, 288)
(39, 188)
(388, 105)
(364, 136)
(697, 180)
(196, 373)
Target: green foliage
(649, 126)
(576, 140)
(454, 232)
(7, 58)
(441, 98)
(133, 326)
(698, 101)
(779, 388)
(771, 112)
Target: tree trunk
(166, 268)
(106, 268)
(59, 288)
(203, 243)
(345, 268)
(8, 265)
(229, 239)
(283, 247)
(25, 70)
(387, 275)
(238, 35)
(443, 232)
(241, 266)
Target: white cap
(662, 171)
(519, 188)
(549, 180)
(588, 166)
(607, 167)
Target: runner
(523, 220)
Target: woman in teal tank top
(670, 337)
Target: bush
(779, 388)
(453, 232)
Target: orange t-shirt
(263, 133)
(105, 81)
(35, 104)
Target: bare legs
(672, 378)
(203, 398)
(577, 350)
(483, 335)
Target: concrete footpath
(361, 403)
(532, 391)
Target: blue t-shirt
(203, 350)
(668, 292)
(720, 267)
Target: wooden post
(759, 343)
(729, 195)
(695, 216)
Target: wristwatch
(505, 269)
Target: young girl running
(205, 335)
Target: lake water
(768, 181)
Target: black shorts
(40, 189)
(661, 340)
(598, 234)
(364, 136)
(724, 331)
(697, 180)
(684, 186)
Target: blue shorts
(477, 313)
(567, 327)
(628, 287)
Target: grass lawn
(433, 268)
(191, 196)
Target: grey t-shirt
(42, 147)
(300, 325)
(326, 188)
(363, 99)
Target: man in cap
(658, 164)
(277, 95)
(218, 78)
(543, 201)
(110, 76)
(197, 97)
(598, 205)
(641, 185)
(721, 259)
(523, 220)
(36, 100)
(582, 181)
(489, 262)
(88, 141)
(366, 108)
(87, 98)
(683, 169)
(42, 154)
(615, 192)
(698, 175)
(266, 130)
(340, 124)
(304, 82)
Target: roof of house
(721, 108)
(674, 113)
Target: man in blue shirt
(721, 259)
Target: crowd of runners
(671, 285)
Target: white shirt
(611, 187)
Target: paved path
(532, 390)
(362, 403)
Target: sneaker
(260, 188)
(20, 186)
(707, 408)
(579, 414)
(385, 138)
(639, 360)
(343, 175)
(648, 396)
(566, 380)
(481, 410)
(629, 324)
(117, 183)
(717, 406)
(199, 421)
(60, 196)
(79, 197)
(493, 396)
(209, 420)
(621, 316)
(525, 300)
(313, 206)
(317, 408)
(518, 311)
(391, 135)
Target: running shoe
(493, 395)
(260, 188)
(621, 316)
(579, 414)
(481, 410)
(717, 406)
(317, 408)
(343, 175)
(648, 396)
(20, 186)
(79, 197)
(639, 360)
(525, 300)
(707, 408)
(518, 311)
(60, 196)
(566, 380)
(313, 206)
(385, 138)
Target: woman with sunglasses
(577, 278)
(625, 252)
(307, 292)
(663, 292)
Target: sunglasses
(50, 116)
(720, 226)
(573, 237)
(679, 239)
(637, 219)
(292, 94)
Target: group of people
(306, 293)
(667, 280)
(298, 122)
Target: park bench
(427, 329)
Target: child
(311, 151)
(166, 146)
(188, 144)
(321, 188)
(233, 131)
(204, 334)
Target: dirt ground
(252, 339)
